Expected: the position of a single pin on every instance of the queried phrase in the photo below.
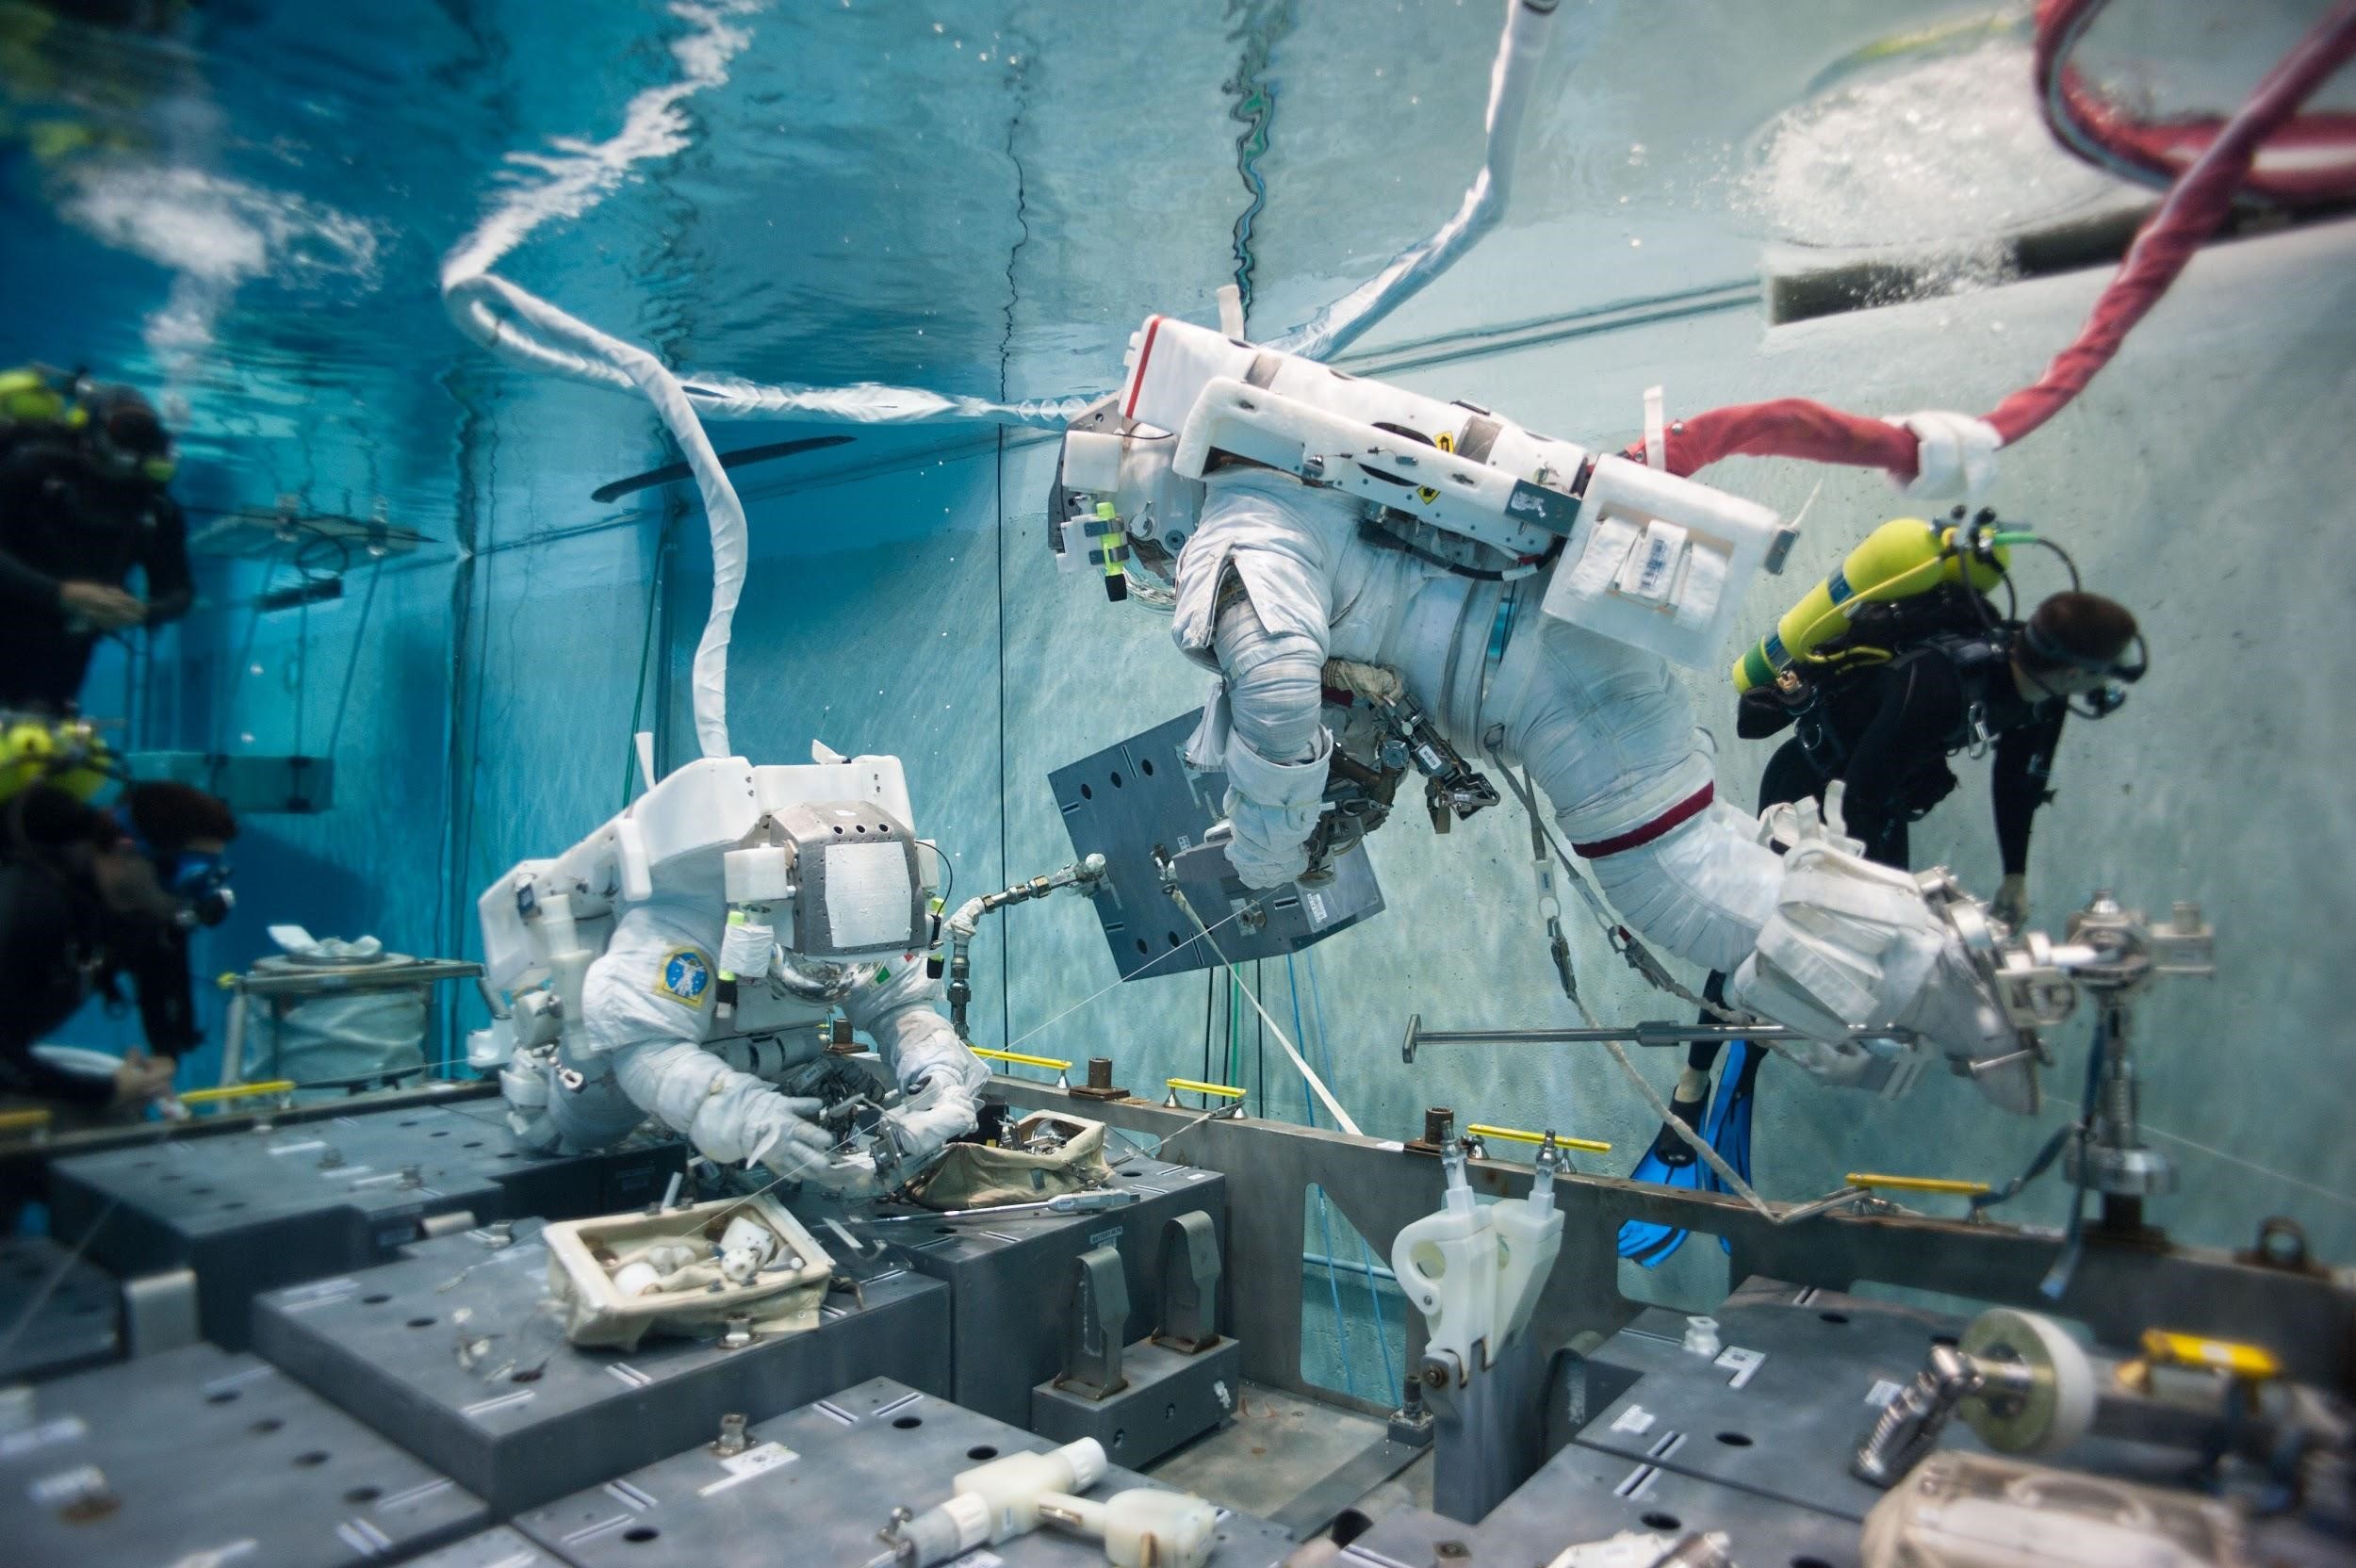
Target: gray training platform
(249, 1211)
(815, 1485)
(197, 1456)
(534, 1417)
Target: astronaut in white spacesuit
(1528, 593)
(685, 962)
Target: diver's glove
(1852, 945)
(1954, 453)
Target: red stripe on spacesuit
(1637, 838)
(1136, 379)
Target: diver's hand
(2011, 902)
(140, 1078)
(100, 605)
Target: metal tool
(1094, 1201)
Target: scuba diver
(83, 470)
(1887, 669)
(88, 896)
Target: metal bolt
(412, 1176)
(1439, 1125)
(1434, 1372)
(740, 1332)
(732, 1438)
(331, 1157)
(1452, 1551)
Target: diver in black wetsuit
(81, 505)
(1886, 730)
(1957, 678)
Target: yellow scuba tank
(64, 754)
(35, 396)
(1904, 557)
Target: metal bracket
(1190, 1271)
(1095, 1317)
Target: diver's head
(2078, 645)
(128, 434)
(182, 834)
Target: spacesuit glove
(1954, 453)
(1272, 807)
(942, 1097)
(781, 1135)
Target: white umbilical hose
(520, 326)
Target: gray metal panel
(1582, 1495)
(58, 1311)
(1171, 1398)
(536, 1417)
(253, 1211)
(853, 1457)
(1010, 1275)
(1137, 796)
(1787, 1430)
(205, 1452)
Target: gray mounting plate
(537, 1417)
(213, 1456)
(1138, 795)
(252, 1211)
(1010, 1276)
(1172, 1400)
(58, 1311)
(815, 1485)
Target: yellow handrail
(1514, 1134)
(30, 1120)
(238, 1091)
(1191, 1087)
(1915, 1184)
(1018, 1057)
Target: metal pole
(1647, 1034)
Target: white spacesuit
(1526, 597)
(684, 962)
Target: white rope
(1095, 996)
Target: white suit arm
(942, 1080)
(1276, 748)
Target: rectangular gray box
(536, 1417)
(205, 1452)
(815, 1485)
(1010, 1277)
(253, 1211)
(1172, 1400)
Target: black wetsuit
(65, 519)
(1886, 731)
(58, 944)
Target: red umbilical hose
(2195, 205)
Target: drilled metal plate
(196, 1455)
(1137, 796)
(815, 1485)
(1010, 1278)
(252, 1211)
(1788, 1426)
(58, 1311)
(501, 1547)
(535, 1417)
(1581, 1495)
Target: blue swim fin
(1726, 1128)
(1732, 1115)
(1670, 1163)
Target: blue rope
(1374, 1296)
(1325, 1225)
